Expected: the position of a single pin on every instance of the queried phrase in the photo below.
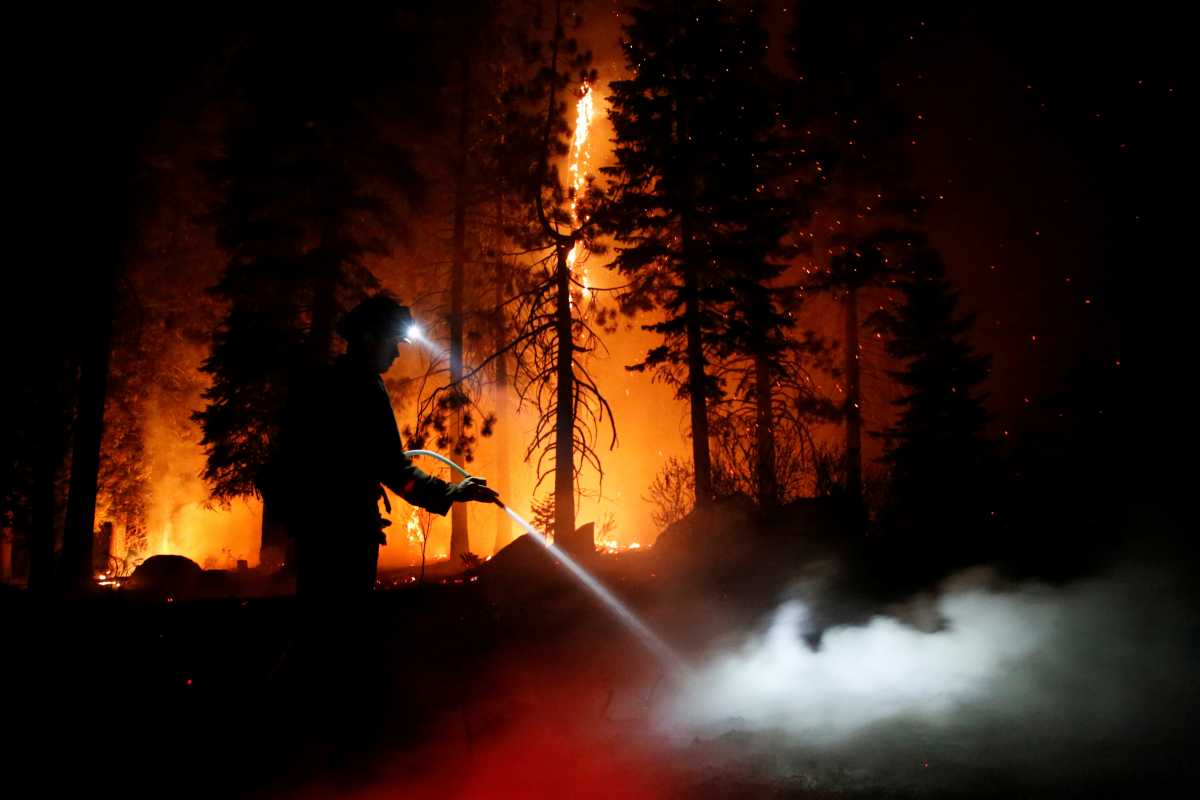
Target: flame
(412, 529)
(179, 519)
(581, 162)
(612, 545)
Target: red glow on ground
(534, 761)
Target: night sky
(1049, 141)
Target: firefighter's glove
(475, 490)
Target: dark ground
(514, 684)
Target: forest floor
(513, 684)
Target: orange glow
(611, 545)
(179, 519)
(651, 423)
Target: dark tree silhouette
(839, 54)
(123, 485)
(312, 184)
(688, 207)
(491, 146)
(542, 327)
(555, 328)
(941, 464)
(671, 493)
(762, 424)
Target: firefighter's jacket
(338, 443)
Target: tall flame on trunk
(581, 161)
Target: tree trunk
(459, 536)
(275, 543)
(696, 379)
(324, 310)
(6, 554)
(79, 532)
(853, 398)
(273, 550)
(766, 479)
(47, 460)
(697, 395)
(564, 426)
(501, 480)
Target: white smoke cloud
(1022, 675)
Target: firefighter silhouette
(339, 445)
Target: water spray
(622, 612)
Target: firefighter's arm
(432, 493)
(420, 488)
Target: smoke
(1018, 676)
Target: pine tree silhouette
(692, 209)
(941, 463)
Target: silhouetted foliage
(697, 204)
(942, 471)
(859, 143)
(312, 185)
(543, 515)
(671, 493)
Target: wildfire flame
(412, 529)
(581, 162)
(611, 545)
(179, 519)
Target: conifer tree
(838, 53)
(311, 186)
(689, 209)
(939, 460)
(484, 160)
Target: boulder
(167, 575)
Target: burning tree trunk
(554, 326)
